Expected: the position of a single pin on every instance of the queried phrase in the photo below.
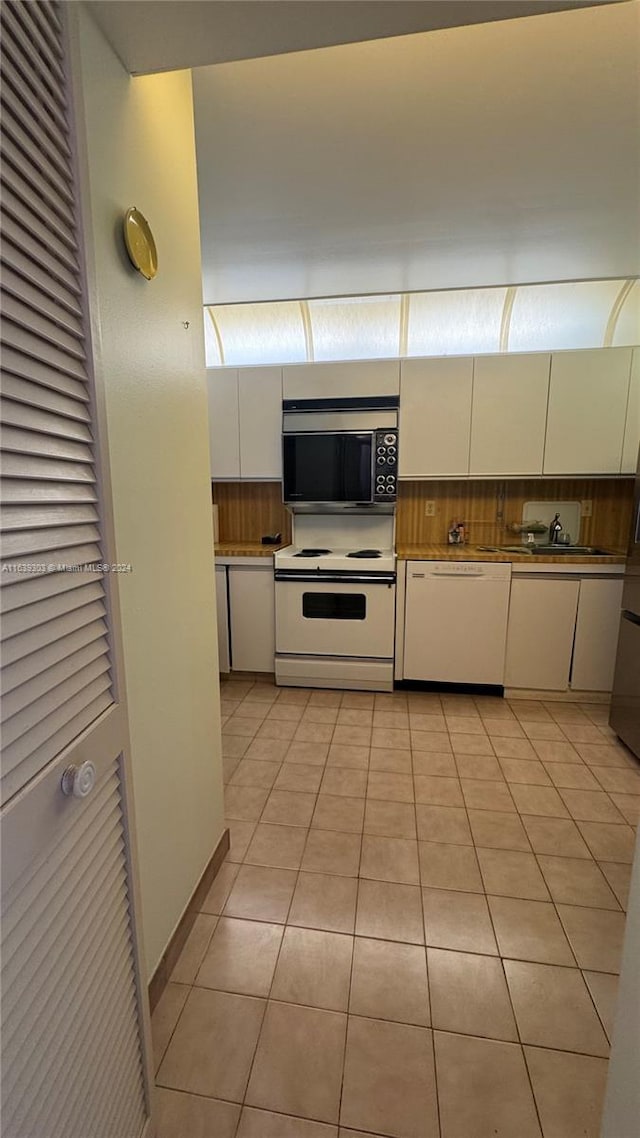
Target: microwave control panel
(386, 465)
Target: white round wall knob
(79, 781)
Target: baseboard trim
(160, 978)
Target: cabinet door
(542, 619)
(340, 380)
(260, 405)
(509, 413)
(252, 617)
(224, 422)
(222, 613)
(587, 411)
(597, 626)
(435, 416)
(632, 426)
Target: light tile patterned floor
(417, 931)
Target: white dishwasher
(456, 621)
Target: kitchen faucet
(555, 529)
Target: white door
(224, 422)
(588, 397)
(251, 616)
(260, 408)
(509, 414)
(542, 620)
(75, 1054)
(435, 417)
(597, 627)
(632, 425)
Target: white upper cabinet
(435, 416)
(588, 397)
(245, 422)
(509, 413)
(632, 428)
(341, 380)
(260, 404)
(224, 422)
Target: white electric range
(335, 590)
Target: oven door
(338, 614)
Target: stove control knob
(391, 477)
(390, 440)
(391, 489)
(381, 450)
(381, 460)
(391, 460)
(391, 450)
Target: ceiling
(164, 35)
(500, 153)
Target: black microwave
(340, 455)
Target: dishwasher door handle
(460, 576)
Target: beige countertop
(472, 553)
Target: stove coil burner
(365, 553)
(312, 553)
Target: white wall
(140, 151)
(622, 1103)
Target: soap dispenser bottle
(555, 529)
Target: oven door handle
(345, 578)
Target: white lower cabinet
(542, 620)
(596, 641)
(252, 617)
(222, 612)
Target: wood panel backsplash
(479, 504)
(249, 510)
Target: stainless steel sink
(549, 550)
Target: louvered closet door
(75, 1023)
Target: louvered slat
(32, 723)
(50, 608)
(18, 335)
(51, 305)
(43, 541)
(55, 220)
(29, 264)
(72, 1044)
(33, 640)
(50, 655)
(20, 70)
(44, 398)
(27, 493)
(24, 593)
(62, 560)
(42, 469)
(55, 718)
(35, 516)
(34, 321)
(49, 50)
(43, 421)
(26, 694)
(39, 445)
